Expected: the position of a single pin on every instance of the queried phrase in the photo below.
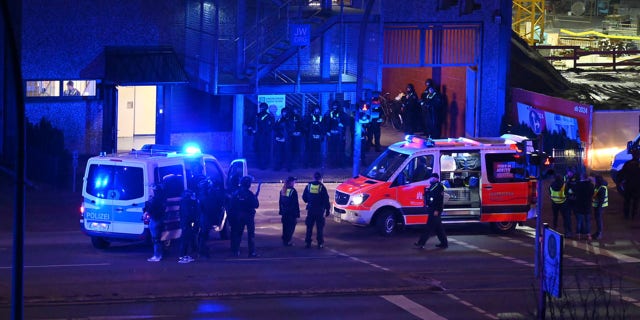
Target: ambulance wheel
(100, 243)
(386, 223)
(503, 227)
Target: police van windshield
(115, 182)
(385, 165)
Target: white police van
(623, 156)
(116, 187)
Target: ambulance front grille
(342, 198)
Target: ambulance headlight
(358, 199)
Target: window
(385, 165)
(502, 168)
(115, 182)
(418, 169)
(460, 169)
(61, 88)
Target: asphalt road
(480, 276)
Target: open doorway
(136, 117)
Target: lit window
(61, 88)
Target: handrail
(576, 52)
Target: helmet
(245, 182)
(263, 106)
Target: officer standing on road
(316, 197)
(242, 213)
(289, 210)
(571, 180)
(600, 201)
(315, 134)
(155, 208)
(434, 203)
(211, 196)
(411, 110)
(188, 222)
(559, 204)
(262, 141)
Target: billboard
(539, 120)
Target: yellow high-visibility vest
(605, 202)
(558, 196)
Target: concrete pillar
(237, 130)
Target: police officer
(188, 222)
(373, 130)
(431, 113)
(316, 197)
(282, 140)
(297, 137)
(629, 179)
(155, 208)
(411, 110)
(559, 204)
(571, 181)
(434, 203)
(289, 210)
(263, 130)
(315, 134)
(242, 212)
(336, 125)
(600, 201)
(211, 200)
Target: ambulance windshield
(385, 165)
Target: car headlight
(358, 199)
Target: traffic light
(365, 113)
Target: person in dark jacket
(434, 203)
(411, 110)
(570, 181)
(600, 201)
(289, 210)
(211, 198)
(629, 180)
(242, 212)
(559, 204)
(188, 223)
(584, 197)
(155, 208)
(316, 197)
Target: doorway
(136, 123)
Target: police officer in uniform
(316, 197)
(336, 124)
(289, 210)
(434, 203)
(188, 222)
(155, 208)
(559, 204)
(297, 137)
(242, 212)
(282, 141)
(262, 141)
(315, 134)
(373, 130)
(211, 196)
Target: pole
(357, 137)
(539, 238)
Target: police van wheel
(504, 227)
(386, 223)
(100, 243)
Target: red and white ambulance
(484, 183)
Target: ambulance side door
(410, 183)
(504, 188)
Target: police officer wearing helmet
(242, 211)
(316, 132)
(316, 197)
(336, 125)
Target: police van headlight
(358, 199)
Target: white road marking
(412, 307)
(64, 265)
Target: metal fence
(568, 158)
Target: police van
(116, 187)
(485, 182)
(623, 156)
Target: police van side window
(503, 168)
(115, 182)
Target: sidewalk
(389, 136)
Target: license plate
(98, 225)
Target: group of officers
(295, 139)
(203, 204)
(425, 113)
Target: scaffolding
(528, 20)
